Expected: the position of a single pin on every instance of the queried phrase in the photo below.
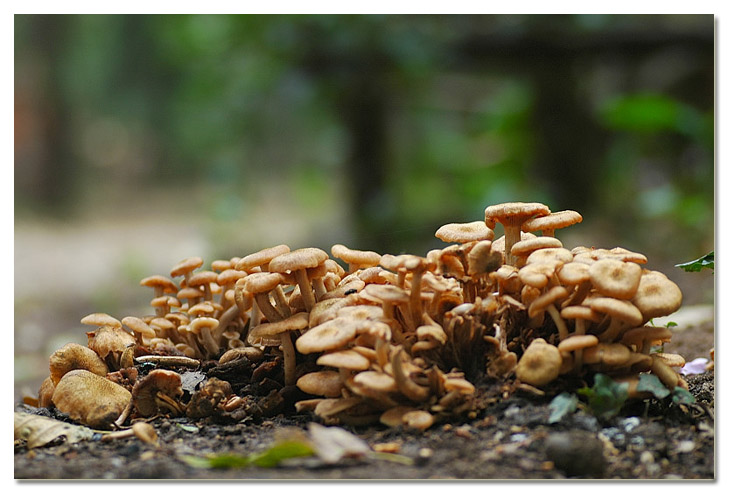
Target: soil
(509, 439)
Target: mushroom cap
(376, 381)
(482, 259)
(514, 213)
(203, 277)
(618, 309)
(90, 399)
(431, 332)
(394, 416)
(554, 294)
(611, 354)
(498, 244)
(557, 256)
(298, 259)
(107, 340)
(580, 313)
(167, 285)
(189, 293)
(230, 276)
(418, 419)
(465, 232)
(201, 309)
(528, 246)
(555, 220)
(145, 390)
(74, 356)
(536, 274)
(637, 336)
(573, 273)
(261, 257)
(615, 278)
(262, 282)
(297, 321)
(198, 324)
(327, 383)
(186, 266)
(575, 342)
(332, 334)
(656, 295)
(385, 293)
(348, 359)
(355, 256)
(540, 363)
(101, 320)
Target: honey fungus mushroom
(297, 262)
(90, 399)
(512, 216)
(540, 364)
(74, 356)
(157, 393)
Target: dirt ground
(509, 439)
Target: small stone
(577, 453)
(646, 457)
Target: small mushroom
(550, 223)
(512, 216)
(465, 232)
(327, 336)
(186, 267)
(540, 363)
(203, 328)
(297, 262)
(614, 278)
(90, 399)
(622, 313)
(326, 383)
(355, 258)
(157, 393)
(656, 295)
(110, 343)
(281, 330)
(74, 356)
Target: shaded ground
(511, 439)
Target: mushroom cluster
(399, 339)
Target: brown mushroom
(326, 383)
(465, 232)
(90, 399)
(550, 223)
(260, 285)
(656, 295)
(203, 327)
(512, 216)
(614, 278)
(622, 314)
(281, 331)
(110, 343)
(355, 258)
(540, 363)
(74, 356)
(186, 267)
(157, 393)
(297, 262)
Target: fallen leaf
(38, 431)
(332, 444)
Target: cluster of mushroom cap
(394, 339)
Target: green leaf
(671, 324)
(280, 452)
(606, 397)
(652, 384)
(682, 396)
(706, 261)
(267, 459)
(563, 404)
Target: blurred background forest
(141, 140)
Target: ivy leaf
(652, 384)
(682, 396)
(706, 261)
(563, 404)
(606, 397)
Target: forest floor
(509, 439)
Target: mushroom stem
(290, 357)
(407, 387)
(416, 306)
(305, 288)
(210, 345)
(559, 322)
(228, 316)
(281, 303)
(613, 330)
(125, 414)
(512, 235)
(266, 308)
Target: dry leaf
(38, 431)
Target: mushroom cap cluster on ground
(397, 339)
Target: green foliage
(706, 261)
(562, 405)
(682, 396)
(271, 457)
(652, 384)
(606, 397)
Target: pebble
(578, 453)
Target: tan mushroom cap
(362, 259)
(431, 332)
(298, 259)
(514, 213)
(160, 283)
(418, 419)
(327, 383)
(615, 278)
(297, 321)
(482, 259)
(672, 360)
(611, 354)
(465, 232)
(348, 359)
(145, 390)
(253, 354)
(573, 273)
(529, 246)
(376, 381)
(557, 256)
(203, 277)
(642, 335)
(551, 296)
(536, 274)
(549, 223)
(203, 322)
(261, 282)
(74, 356)
(90, 399)
(385, 293)
(656, 295)
(540, 363)
(101, 320)
(261, 257)
(186, 266)
(107, 340)
(394, 416)
(332, 334)
(230, 276)
(617, 309)
(580, 313)
(575, 342)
